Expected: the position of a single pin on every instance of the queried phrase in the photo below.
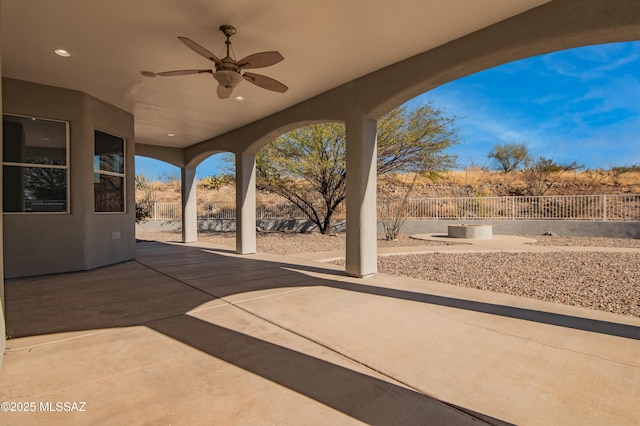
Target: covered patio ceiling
(325, 44)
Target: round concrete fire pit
(474, 232)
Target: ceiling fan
(228, 70)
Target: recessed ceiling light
(239, 98)
(171, 135)
(63, 53)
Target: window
(108, 173)
(34, 165)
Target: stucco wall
(110, 238)
(37, 244)
(574, 228)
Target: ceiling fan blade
(265, 82)
(260, 60)
(183, 72)
(224, 92)
(200, 50)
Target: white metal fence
(619, 207)
(165, 211)
(565, 207)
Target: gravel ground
(604, 281)
(544, 240)
(288, 242)
(597, 280)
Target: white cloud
(620, 93)
(592, 118)
(592, 62)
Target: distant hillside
(479, 182)
(467, 183)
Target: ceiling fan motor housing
(228, 78)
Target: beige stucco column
(361, 257)
(245, 203)
(189, 205)
(2, 325)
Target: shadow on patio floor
(168, 281)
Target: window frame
(123, 175)
(66, 167)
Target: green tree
(509, 156)
(307, 166)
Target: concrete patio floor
(194, 334)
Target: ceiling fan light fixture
(229, 71)
(227, 78)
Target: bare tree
(540, 175)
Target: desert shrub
(143, 211)
(215, 182)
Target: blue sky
(576, 105)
